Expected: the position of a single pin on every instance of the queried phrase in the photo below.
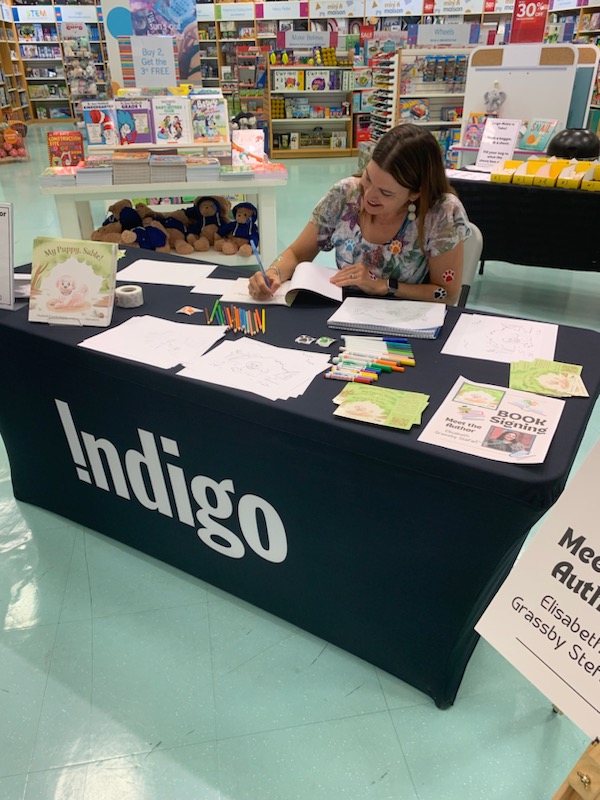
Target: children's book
(172, 120)
(474, 130)
(100, 122)
(210, 118)
(72, 281)
(134, 120)
(538, 134)
(65, 148)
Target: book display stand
(584, 779)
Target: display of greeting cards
(72, 281)
(210, 120)
(100, 122)
(172, 120)
(65, 148)
(134, 120)
(538, 134)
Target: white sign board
(236, 11)
(334, 9)
(393, 8)
(154, 61)
(545, 618)
(279, 10)
(454, 7)
(7, 292)
(77, 14)
(498, 141)
(432, 35)
(205, 12)
(307, 39)
(34, 13)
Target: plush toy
(235, 237)
(151, 236)
(493, 100)
(175, 224)
(204, 219)
(122, 217)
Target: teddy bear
(174, 224)
(122, 217)
(205, 218)
(235, 237)
(149, 236)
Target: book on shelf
(172, 120)
(72, 281)
(537, 135)
(58, 176)
(412, 318)
(134, 120)
(210, 118)
(100, 122)
(65, 148)
(338, 140)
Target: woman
(398, 229)
(507, 442)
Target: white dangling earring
(412, 211)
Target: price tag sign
(154, 61)
(528, 21)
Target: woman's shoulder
(348, 187)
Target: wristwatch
(392, 286)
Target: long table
(534, 225)
(75, 214)
(380, 544)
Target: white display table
(75, 216)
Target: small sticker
(189, 310)
(448, 275)
(325, 341)
(305, 339)
(439, 294)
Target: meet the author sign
(545, 619)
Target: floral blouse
(337, 219)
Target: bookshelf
(14, 98)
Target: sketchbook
(414, 318)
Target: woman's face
(382, 194)
(509, 437)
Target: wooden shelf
(307, 152)
(316, 121)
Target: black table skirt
(394, 547)
(534, 225)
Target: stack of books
(95, 170)
(201, 168)
(58, 176)
(233, 173)
(131, 166)
(165, 168)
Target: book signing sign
(545, 618)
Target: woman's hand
(258, 289)
(358, 275)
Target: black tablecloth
(394, 547)
(535, 225)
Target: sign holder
(584, 779)
(7, 267)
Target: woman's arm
(305, 248)
(445, 279)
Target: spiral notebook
(389, 317)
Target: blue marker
(260, 264)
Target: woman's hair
(412, 156)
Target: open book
(414, 318)
(314, 278)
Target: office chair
(473, 250)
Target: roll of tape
(129, 296)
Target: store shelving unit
(14, 99)
(58, 73)
(307, 121)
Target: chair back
(473, 250)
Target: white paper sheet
(251, 366)
(157, 342)
(215, 286)
(238, 294)
(501, 339)
(169, 273)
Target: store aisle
(124, 679)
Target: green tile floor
(124, 679)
